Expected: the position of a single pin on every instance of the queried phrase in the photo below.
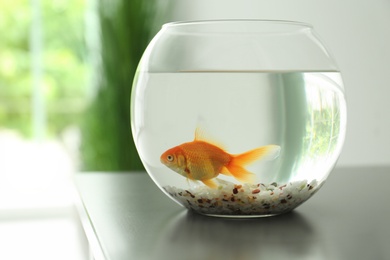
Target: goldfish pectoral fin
(190, 181)
(242, 174)
(210, 183)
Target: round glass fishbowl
(238, 118)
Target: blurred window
(43, 74)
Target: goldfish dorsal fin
(200, 135)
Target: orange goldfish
(201, 160)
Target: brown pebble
(281, 187)
(311, 187)
(232, 199)
(235, 191)
(255, 191)
(200, 200)
(283, 201)
(192, 196)
(237, 186)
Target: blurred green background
(125, 30)
(63, 59)
(70, 64)
(67, 66)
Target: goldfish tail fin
(241, 174)
(237, 163)
(210, 183)
(268, 152)
(226, 171)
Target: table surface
(126, 216)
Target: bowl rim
(226, 21)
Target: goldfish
(203, 160)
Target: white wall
(358, 35)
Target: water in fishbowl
(236, 142)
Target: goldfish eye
(170, 158)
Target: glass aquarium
(238, 118)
